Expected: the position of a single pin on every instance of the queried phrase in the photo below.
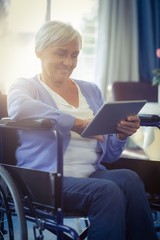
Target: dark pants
(115, 202)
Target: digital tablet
(107, 118)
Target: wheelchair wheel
(12, 219)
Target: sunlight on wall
(26, 15)
(17, 32)
(16, 48)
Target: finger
(99, 138)
(133, 119)
(126, 131)
(129, 124)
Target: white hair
(55, 33)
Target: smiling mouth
(67, 71)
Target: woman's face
(58, 62)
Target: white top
(82, 153)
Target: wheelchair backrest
(8, 137)
(3, 105)
(39, 186)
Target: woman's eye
(75, 56)
(61, 54)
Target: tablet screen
(107, 118)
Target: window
(21, 19)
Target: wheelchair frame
(17, 198)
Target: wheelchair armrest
(35, 123)
(151, 120)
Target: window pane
(19, 20)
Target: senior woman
(114, 200)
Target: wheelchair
(32, 196)
(24, 197)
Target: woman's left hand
(126, 128)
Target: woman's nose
(68, 61)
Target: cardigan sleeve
(29, 100)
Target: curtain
(148, 37)
(117, 50)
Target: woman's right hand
(80, 125)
